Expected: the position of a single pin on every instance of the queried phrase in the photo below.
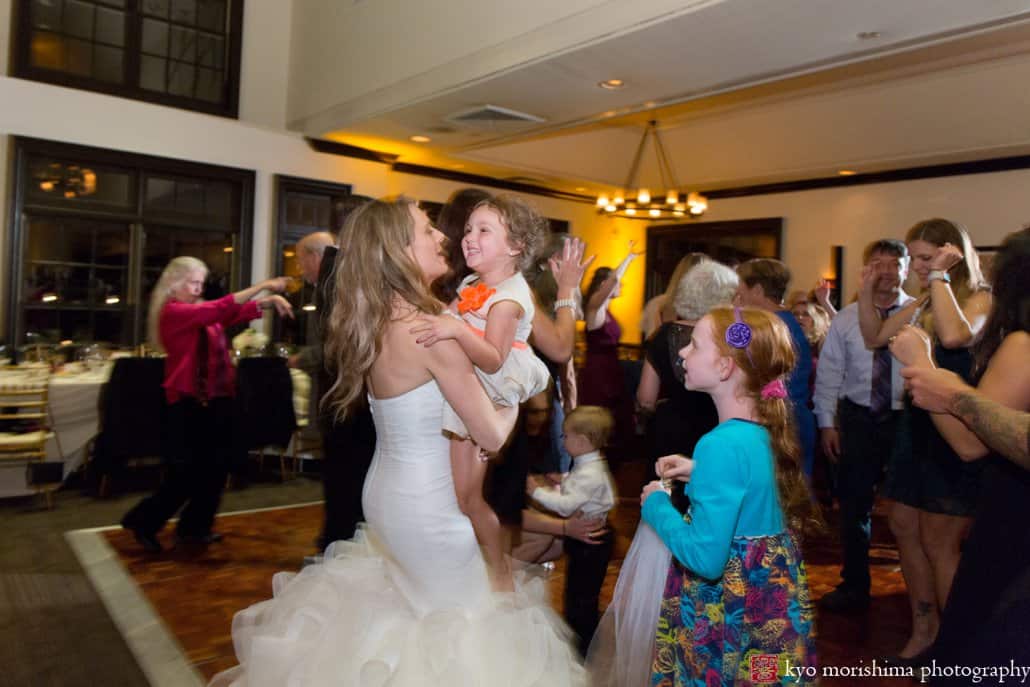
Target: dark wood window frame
(142, 166)
(285, 185)
(21, 64)
(771, 227)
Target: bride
(407, 601)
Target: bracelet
(939, 275)
(565, 303)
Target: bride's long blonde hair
(373, 270)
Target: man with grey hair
(858, 396)
(310, 250)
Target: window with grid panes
(92, 229)
(184, 53)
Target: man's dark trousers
(865, 447)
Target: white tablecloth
(74, 421)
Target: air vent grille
(492, 114)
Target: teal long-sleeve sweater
(732, 494)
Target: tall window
(184, 53)
(93, 229)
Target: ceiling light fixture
(611, 84)
(71, 181)
(418, 138)
(847, 172)
(641, 204)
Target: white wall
(265, 62)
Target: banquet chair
(132, 415)
(266, 415)
(306, 442)
(25, 427)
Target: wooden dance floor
(197, 591)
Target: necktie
(880, 392)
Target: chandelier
(635, 202)
(70, 181)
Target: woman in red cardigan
(199, 386)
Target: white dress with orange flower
(522, 375)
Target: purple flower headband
(738, 335)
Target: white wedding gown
(406, 602)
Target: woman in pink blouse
(199, 386)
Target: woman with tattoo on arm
(987, 617)
(1004, 430)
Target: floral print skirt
(753, 626)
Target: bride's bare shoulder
(401, 364)
(400, 351)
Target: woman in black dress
(681, 417)
(987, 618)
(934, 491)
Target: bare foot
(916, 645)
(923, 636)
(925, 622)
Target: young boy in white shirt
(589, 489)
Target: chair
(264, 396)
(306, 439)
(25, 425)
(132, 414)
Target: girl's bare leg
(538, 548)
(469, 472)
(942, 541)
(919, 578)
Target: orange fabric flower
(473, 297)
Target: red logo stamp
(764, 669)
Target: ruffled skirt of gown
(406, 602)
(342, 622)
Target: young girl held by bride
(502, 238)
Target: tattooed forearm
(1003, 429)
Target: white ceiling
(745, 91)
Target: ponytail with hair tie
(774, 389)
